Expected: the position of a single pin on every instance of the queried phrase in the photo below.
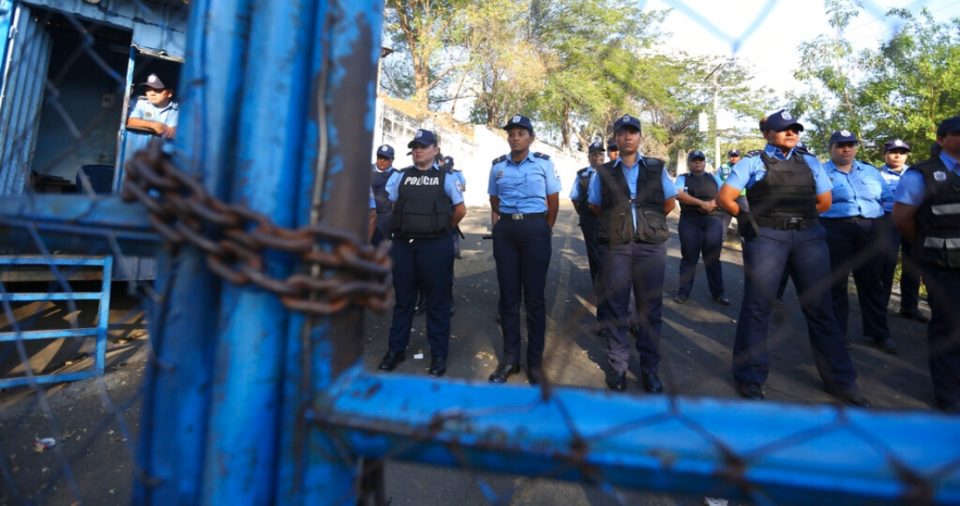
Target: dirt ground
(96, 422)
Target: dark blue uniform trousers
(943, 334)
(805, 254)
(854, 246)
(589, 225)
(895, 246)
(639, 267)
(700, 234)
(522, 249)
(427, 264)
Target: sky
(766, 33)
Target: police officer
(524, 191)
(381, 173)
(631, 196)
(785, 191)
(447, 164)
(155, 115)
(853, 228)
(613, 152)
(427, 205)
(895, 153)
(700, 228)
(588, 221)
(733, 157)
(927, 213)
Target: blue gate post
(274, 94)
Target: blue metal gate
(250, 401)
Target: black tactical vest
(422, 209)
(378, 183)
(583, 183)
(787, 191)
(702, 187)
(938, 218)
(616, 206)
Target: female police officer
(524, 191)
(785, 191)
(427, 205)
(700, 228)
(853, 226)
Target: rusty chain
(235, 239)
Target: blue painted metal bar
(32, 335)
(103, 317)
(48, 378)
(36, 296)
(784, 454)
(55, 260)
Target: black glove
(746, 225)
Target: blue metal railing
(248, 402)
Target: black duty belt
(523, 216)
(786, 223)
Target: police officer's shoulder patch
(753, 152)
(538, 154)
(501, 158)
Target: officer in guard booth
(786, 189)
(927, 213)
(524, 191)
(381, 173)
(631, 196)
(154, 116)
(427, 205)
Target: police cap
(894, 145)
(780, 121)
(948, 126)
(385, 151)
(519, 120)
(626, 121)
(843, 136)
(423, 138)
(595, 146)
(696, 155)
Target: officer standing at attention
(895, 153)
(632, 196)
(700, 228)
(927, 213)
(733, 157)
(427, 205)
(381, 173)
(588, 220)
(853, 228)
(785, 191)
(524, 192)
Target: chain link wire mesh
(71, 443)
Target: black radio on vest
(616, 217)
(422, 209)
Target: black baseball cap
(843, 136)
(153, 81)
(385, 151)
(733, 152)
(948, 126)
(612, 145)
(895, 144)
(595, 146)
(626, 121)
(780, 121)
(696, 155)
(423, 138)
(519, 120)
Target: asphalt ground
(96, 422)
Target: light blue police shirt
(449, 186)
(859, 193)
(891, 179)
(143, 109)
(681, 182)
(373, 202)
(911, 189)
(461, 181)
(523, 188)
(630, 176)
(575, 191)
(748, 171)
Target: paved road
(696, 347)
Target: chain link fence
(239, 242)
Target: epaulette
(537, 154)
(754, 152)
(582, 171)
(502, 158)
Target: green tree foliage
(901, 89)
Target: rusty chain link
(235, 239)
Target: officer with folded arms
(427, 205)
(785, 191)
(927, 213)
(700, 229)
(631, 197)
(525, 192)
(853, 227)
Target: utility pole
(716, 121)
